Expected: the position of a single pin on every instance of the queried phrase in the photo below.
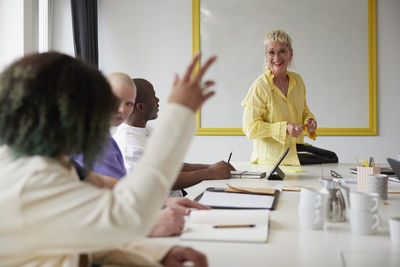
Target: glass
(282, 52)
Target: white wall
(11, 31)
(18, 29)
(153, 39)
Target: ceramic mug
(363, 222)
(312, 218)
(364, 201)
(378, 183)
(394, 226)
(311, 198)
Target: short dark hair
(141, 90)
(53, 105)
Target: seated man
(132, 136)
(170, 219)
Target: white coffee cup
(312, 218)
(363, 222)
(394, 226)
(363, 201)
(378, 183)
(311, 198)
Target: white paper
(200, 225)
(236, 200)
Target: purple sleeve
(112, 162)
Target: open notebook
(200, 225)
(241, 198)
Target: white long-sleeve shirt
(132, 142)
(49, 217)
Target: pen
(371, 162)
(365, 163)
(230, 155)
(358, 163)
(234, 225)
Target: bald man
(132, 136)
(112, 163)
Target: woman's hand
(311, 125)
(184, 205)
(189, 91)
(169, 222)
(177, 256)
(294, 129)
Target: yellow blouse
(266, 114)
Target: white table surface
(288, 245)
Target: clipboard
(221, 190)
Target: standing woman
(276, 112)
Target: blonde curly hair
(278, 36)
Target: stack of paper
(200, 225)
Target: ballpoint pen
(234, 226)
(229, 158)
(358, 163)
(371, 162)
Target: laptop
(395, 164)
(276, 173)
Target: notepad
(252, 190)
(225, 200)
(247, 174)
(200, 225)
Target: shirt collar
(270, 79)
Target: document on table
(201, 225)
(237, 200)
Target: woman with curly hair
(52, 106)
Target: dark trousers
(309, 154)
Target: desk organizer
(362, 174)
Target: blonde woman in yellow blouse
(276, 112)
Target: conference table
(290, 245)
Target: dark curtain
(84, 23)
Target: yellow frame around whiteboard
(372, 107)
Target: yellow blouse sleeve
(255, 110)
(307, 114)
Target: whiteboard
(332, 51)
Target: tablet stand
(277, 175)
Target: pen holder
(362, 174)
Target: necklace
(283, 88)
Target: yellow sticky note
(293, 170)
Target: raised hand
(189, 90)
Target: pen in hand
(234, 226)
(229, 158)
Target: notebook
(247, 174)
(200, 225)
(217, 198)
